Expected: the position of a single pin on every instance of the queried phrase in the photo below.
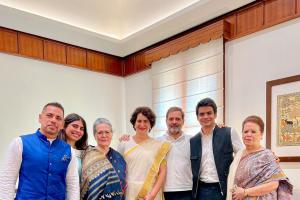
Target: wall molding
(243, 21)
(35, 47)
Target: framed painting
(283, 118)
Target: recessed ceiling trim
(180, 21)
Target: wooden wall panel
(140, 62)
(277, 11)
(250, 20)
(190, 40)
(31, 46)
(254, 17)
(76, 56)
(112, 65)
(298, 7)
(232, 25)
(129, 67)
(55, 52)
(180, 45)
(8, 41)
(95, 61)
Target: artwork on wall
(288, 119)
(283, 118)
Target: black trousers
(209, 191)
(180, 195)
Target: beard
(174, 130)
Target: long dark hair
(82, 143)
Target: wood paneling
(193, 39)
(254, 17)
(95, 61)
(41, 48)
(298, 7)
(129, 67)
(55, 52)
(250, 20)
(76, 56)
(112, 65)
(139, 61)
(232, 25)
(142, 60)
(277, 11)
(31, 46)
(8, 41)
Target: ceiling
(118, 27)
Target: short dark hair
(147, 112)
(173, 109)
(55, 104)
(255, 119)
(206, 102)
(82, 143)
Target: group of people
(56, 162)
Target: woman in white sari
(145, 158)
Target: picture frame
(283, 119)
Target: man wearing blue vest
(44, 164)
(211, 154)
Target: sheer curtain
(184, 79)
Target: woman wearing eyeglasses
(103, 168)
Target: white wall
(252, 61)
(27, 84)
(138, 92)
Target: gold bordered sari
(143, 163)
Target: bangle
(245, 193)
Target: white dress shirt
(10, 172)
(208, 171)
(179, 174)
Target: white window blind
(184, 79)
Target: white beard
(174, 130)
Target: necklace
(247, 152)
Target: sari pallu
(143, 163)
(99, 179)
(119, 164)
(256, 169)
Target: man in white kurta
(45, 165)
(179, 175)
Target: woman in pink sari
(255, 172)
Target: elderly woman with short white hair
(103, 168)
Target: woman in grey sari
(255, 172)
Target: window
(184, 79)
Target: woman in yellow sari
(145, 158)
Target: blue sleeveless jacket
(44, 167)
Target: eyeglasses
(104, 133)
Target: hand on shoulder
(124, 138)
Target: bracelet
(245, 193)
